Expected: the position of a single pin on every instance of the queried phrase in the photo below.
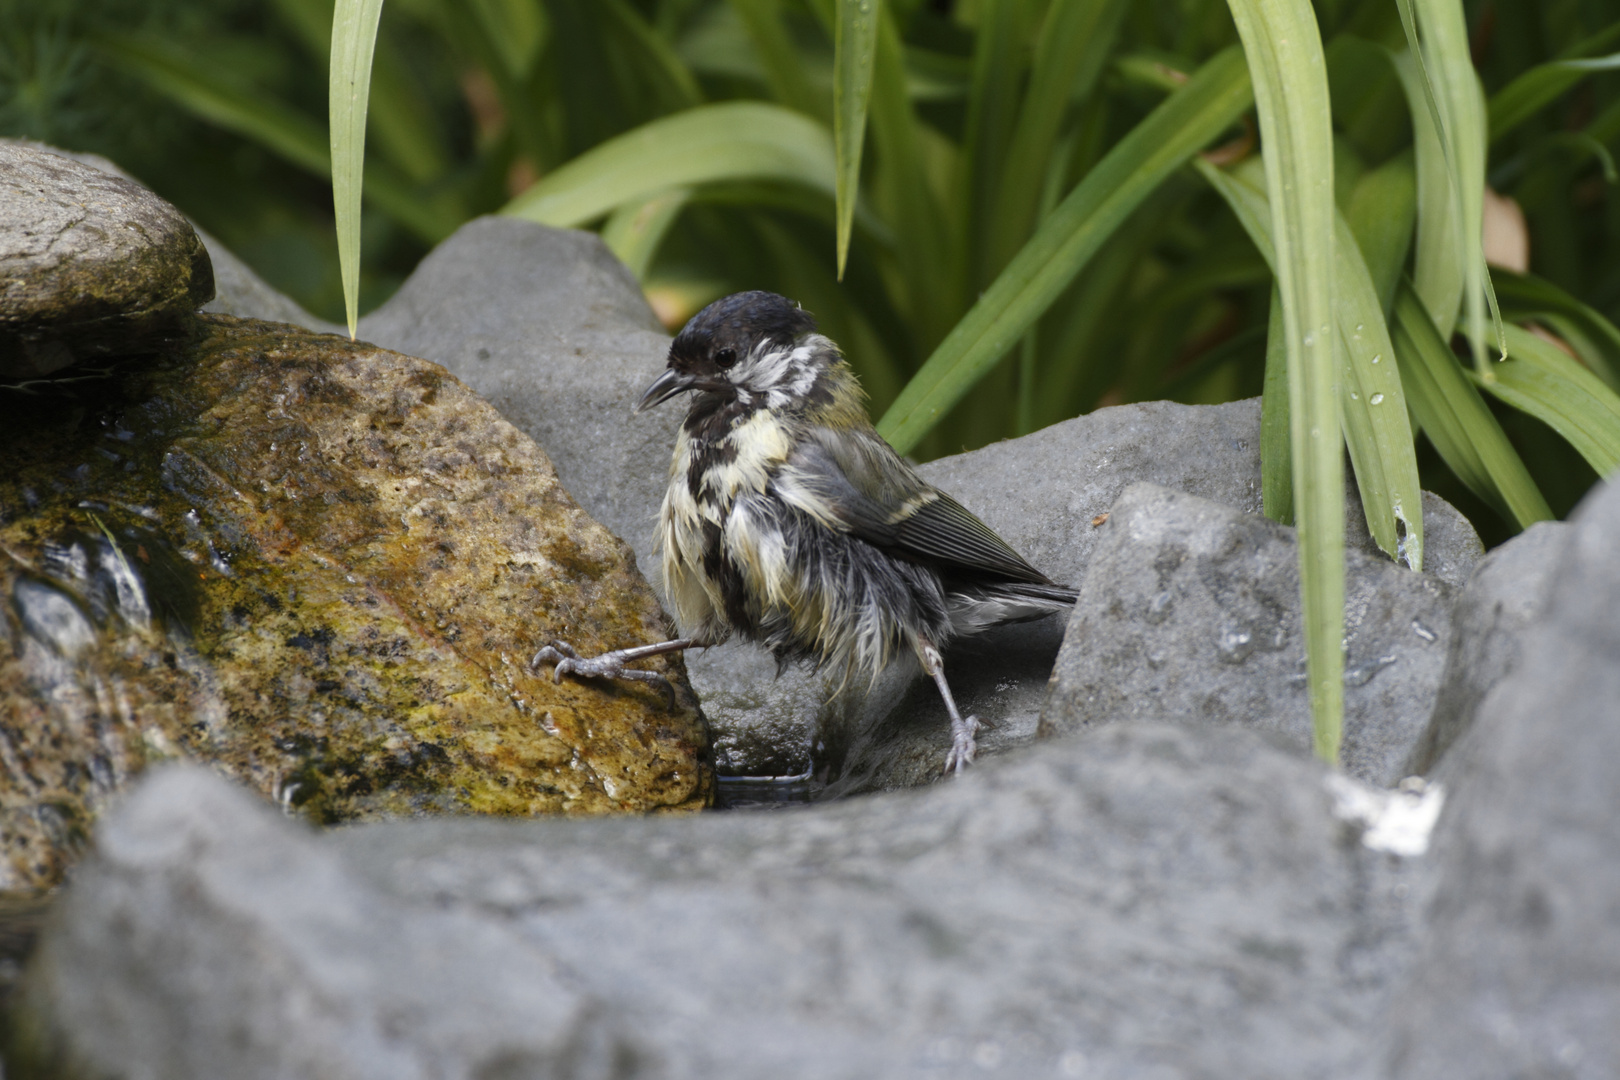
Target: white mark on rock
(1398, 821)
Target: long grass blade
(1437, 37)
(1276, 441)
(780, 64)
(742, 140)
(1186, 122)
(855, 52)
(354, 37)
(1371, 403)
(1071, 49)
(1539, 87)
(1538, 378)
(924, 236)
(1456, 419)
(1284, 52)
(1437, 271)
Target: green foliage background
(1033, 236)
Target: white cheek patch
(782, 375)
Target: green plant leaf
(780, 65)
(1071, 48)
(901, 183)
(1539, 379)
(1187, 121)
(742, 140)
(635, 230)
(855, 46)
(1456, 419)
(1371, 404)
(1381, 212)
(1284, 52)
(354, 37)
(1437, 271)
(1437, 38)
(1276, 440)
(199, 87)
(515, 28)
(1595, 338)
(1539, 87)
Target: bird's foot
(610, 665)
(963, 746)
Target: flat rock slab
(1190, 614)
(322, 566)
(1140, 902)
(1520, 970)
(90, 264)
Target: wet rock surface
(321, 566)
(1144, 901)
(91, 265)
(1190, 613)
(1519, 973)
(553, 331)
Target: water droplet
(1423, 631)
(1235, 645)
(1376, 399)
(1359, 327)
(1310, 339)
(1354, 396)
(1361, 676)
(1159, 607)
(1377, 357)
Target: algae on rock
(321, 566)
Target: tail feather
(984, 606)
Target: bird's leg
(610, 665)
(962, 731)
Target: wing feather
(853, 481)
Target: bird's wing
(853, 481)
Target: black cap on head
(739, 322)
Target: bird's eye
(725, 358)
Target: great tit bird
(790, 522)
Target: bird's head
(755, 347)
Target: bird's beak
(666, 386)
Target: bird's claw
(963, 746)
(610, 665)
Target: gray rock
(1519, 975)
(1501, 601)
(1042, 493)
(549, 327)
(237, 289)
(253, 951)
(90, 264)
(1139, 902)
(1190, 614)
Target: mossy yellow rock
(322, 567)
